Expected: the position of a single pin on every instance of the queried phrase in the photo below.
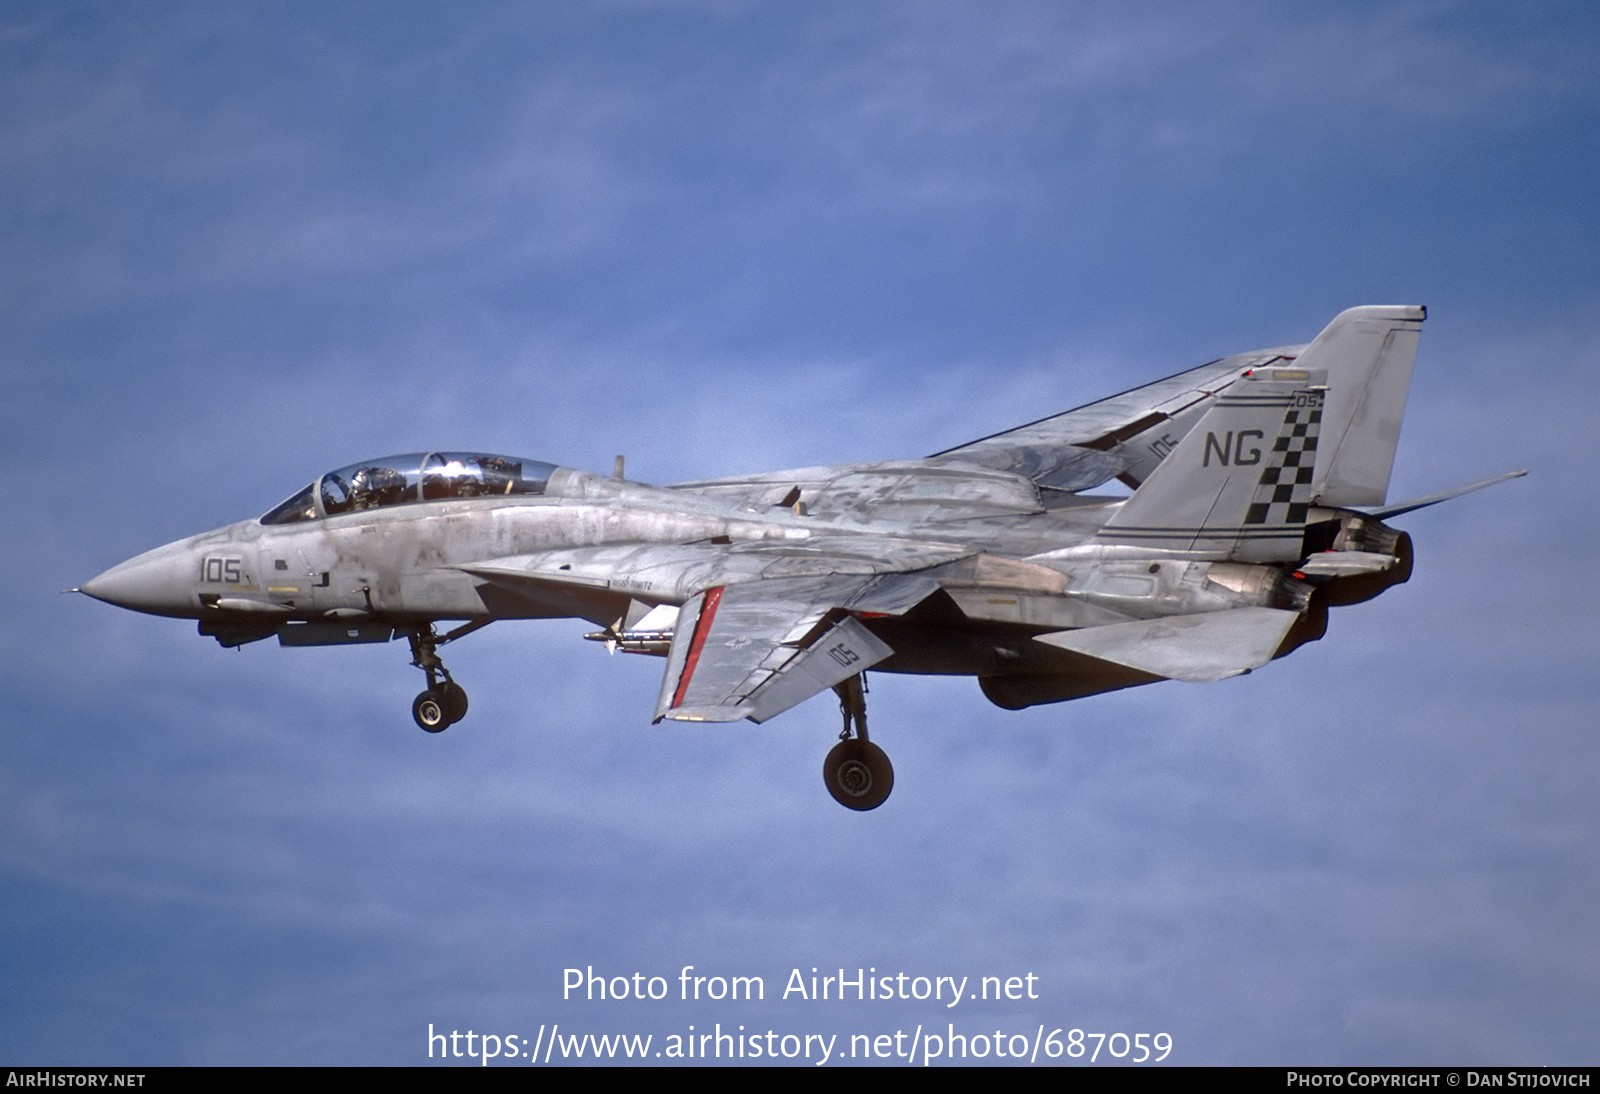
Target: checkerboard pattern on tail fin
(1334, 415)
(1283, 495)
(1227, 491)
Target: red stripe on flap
(702, 627)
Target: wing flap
(755, 650)
(844, 650)
(1197, 648)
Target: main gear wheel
(858, 774)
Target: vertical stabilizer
(1367, 354)
(1239, 484)
(1321, 430)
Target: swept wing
(1122, 436)
(755, 650)
(764, 625)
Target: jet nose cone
(118, 585)
(160, 582)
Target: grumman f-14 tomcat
(1259, 495)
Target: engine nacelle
(1346, 530)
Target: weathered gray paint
(984, 559)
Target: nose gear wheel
(444, 703)
(428, 709)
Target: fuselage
(404, 562)
(1017, 566)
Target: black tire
(431, 712)
(858, 774)
(454, 698)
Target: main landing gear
(444, 703)
(857, 772)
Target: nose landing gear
(439, 708)
(857, 772)
(444, 703)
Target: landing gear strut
(857, 772)
(444, 703)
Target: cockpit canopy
(419, 476)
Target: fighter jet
(1259, 494)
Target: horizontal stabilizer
(1434, 499)
(1209, 646)
(1346, 563)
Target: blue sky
(243, 244)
